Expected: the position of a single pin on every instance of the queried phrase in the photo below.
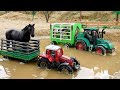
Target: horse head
(30, 28)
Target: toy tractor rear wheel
(100, 50)
(65, 69)
(81, 45)
(44, 63)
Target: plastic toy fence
(20, 50)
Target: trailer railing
(21, 47)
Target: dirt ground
(15, 20)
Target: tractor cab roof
(53, 47)
(91, 29)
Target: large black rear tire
(44, 63)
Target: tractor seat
(89, 37)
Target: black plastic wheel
(35, 59)
(24, 61)
(67, 45)
(65, 69)
(5, 57)
(54, 43)
(100, 50)
(44, 63)
(76, 64)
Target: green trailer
(64, 33)
(20, 50)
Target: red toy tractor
(54, 58)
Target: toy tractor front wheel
(81, 45)
(65, 69)
(100, 50)
(76, 64)
(44, 63)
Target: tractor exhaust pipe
(103, 32)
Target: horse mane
(25, 28)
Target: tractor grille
(111, 50)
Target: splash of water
(3, 73)
(86, 73)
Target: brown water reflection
(92, 66)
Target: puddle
(92, 66)
(86, 73)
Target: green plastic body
(20, 52)
(100, 41)
(60, 36)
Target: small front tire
(100, 50)
(65, 69)
(76, 64)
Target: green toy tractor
(92, 40)
(76, 35)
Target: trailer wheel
(5, 57)
(35, 59)
(44, 63)
(24, 61)
(54, 43)
(65, 69)
(100, 50)
(81, 45)
(67, 45)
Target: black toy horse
(22, 36)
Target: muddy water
(92, 66)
